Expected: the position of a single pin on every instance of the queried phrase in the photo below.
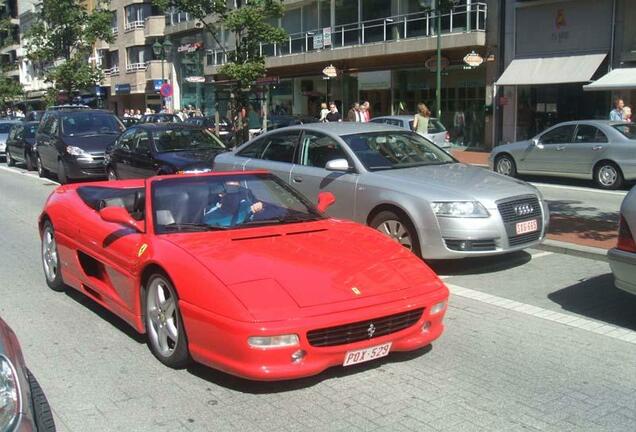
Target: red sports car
(239, 272)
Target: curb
(573, 249)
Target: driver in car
(235, 206)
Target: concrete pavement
(495, 368)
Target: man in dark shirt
(334, 115)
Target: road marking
(541, 254)
(28, 174)
(579, 188)
(575, 321)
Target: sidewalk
(582, 231)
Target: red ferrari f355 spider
(239, 272)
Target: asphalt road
(534, 341)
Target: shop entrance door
(379, 101)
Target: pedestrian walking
(366, 114)
(254, 122)
(421, 119)
(333, 116)
(323, 112)
(617, 113)
(354, 114)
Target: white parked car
(436, 130)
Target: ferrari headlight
(266, 342)
(459, 209)
(9, 394)
(78, 152)
(437, 308)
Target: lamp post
(435, 6)
(162, 49)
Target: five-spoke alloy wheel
(51, 258)
(164, 326)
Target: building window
(137, 57)
(136, 14)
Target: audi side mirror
(341, 165)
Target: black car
(160, 118)
(72, 142)
(21, 144)
(167, 148)
(225, 128)
(129, 121)
(24, 405)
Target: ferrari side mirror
(325, 200)
(120, 215)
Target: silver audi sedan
(622, 258)
(401, 184)
(601, 150)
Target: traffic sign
(166, 90)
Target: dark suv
(71, 142)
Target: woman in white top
(323, 112)
(420, 121)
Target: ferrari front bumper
(221, 343)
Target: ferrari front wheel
(164, 326)
(51, 259)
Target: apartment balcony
(463, 26)
(154, 71)
(136, 67)
(112, 71)
(133, 34)
(155, 26)
(9, 45)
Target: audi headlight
(265, 342)
(9, 395)
(460, 209)
(78, 152)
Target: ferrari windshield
(219, 202)
(395, 149)
(181, 139)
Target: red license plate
(527, 227)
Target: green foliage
(65, 30)
(10, 90)
(249, 25)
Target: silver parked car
(622, 258)
(592, 149)
(436, 130)
(5, 128)
(398, 182)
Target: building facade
(9, 39)
(559, 73)
(133, 73)
(383, 52)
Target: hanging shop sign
(318, 41)
(195, 79)
(156, 84)
(326, 36)
(190, 47)
(122, 89)
(473, 59)
(330, 71)
(267, 80)
(431, 63)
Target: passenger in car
(234, 206)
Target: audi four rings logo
(523, 209)
(371, 330)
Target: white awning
(618, 79)
(551, 70)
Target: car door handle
(297, 179)
(559, 148)
(597, 147)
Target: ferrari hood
(314, 264)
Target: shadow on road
(479, 265)
(266, 387)
(566, 218)
(599, 299)
(105, 314)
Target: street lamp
(162, 49)
(434, 5)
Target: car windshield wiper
(281, 220)
(192, 227)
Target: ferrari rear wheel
(164, 326)
(51, 259)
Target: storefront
(543, 83)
